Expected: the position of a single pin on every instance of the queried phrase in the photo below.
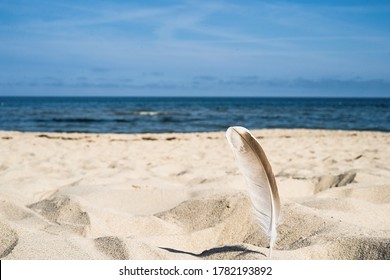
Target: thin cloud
(100, 70)
(249, 85)
(205, 78)
(153, 74)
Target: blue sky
(187, 48)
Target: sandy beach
(180, 196)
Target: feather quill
(254, 166)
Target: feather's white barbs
(235, 139)
(254, 166)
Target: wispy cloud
(249, 85)
(100, 70)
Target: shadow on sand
(217, 250)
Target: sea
(189, 114)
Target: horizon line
(190, 96)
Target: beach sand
(180, 196)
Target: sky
(329, 48)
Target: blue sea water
(139, 115)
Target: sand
(180, 196)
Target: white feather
(254, 166)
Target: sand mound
(63, 211)
(331, 181)
(307, 230)
(360, 248)
(228, 216)
(230, 220)
(301, 227)
(13, 212)
(8, 239)
(198, 214)
(113, 247)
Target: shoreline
(256, 130)
(129, 196)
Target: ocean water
(139, 115)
